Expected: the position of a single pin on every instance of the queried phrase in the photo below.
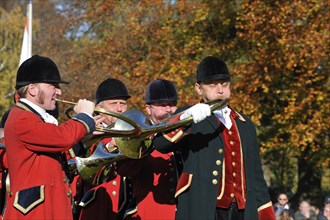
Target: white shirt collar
(224, 116)
(47, 117)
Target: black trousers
(232, 213)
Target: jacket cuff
(174, 135)
(86, 120)
(266, 212)
(183, 183)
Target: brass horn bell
(88, 167)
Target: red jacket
(154, 187)
(39, 187)
(109, 199)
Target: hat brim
(214, 77)
(112, 97)
(47, 81)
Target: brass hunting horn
(133, 133)
(138, 144)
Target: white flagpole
(26, 51)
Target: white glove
(198, 112)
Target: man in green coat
(222, 176)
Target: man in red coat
(155, 183)
(110, 195)
(35, 144)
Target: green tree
(11, 28)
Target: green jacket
(201, 149)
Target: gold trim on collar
(240, 117)
(22, 106)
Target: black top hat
(161, 90)
(212, 68)
(37, 69)
(111, 89)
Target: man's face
(326, 211)
(114, 105)
(44, 94)
(282, 199)
(304, 207)
(213, 90)
(159, 111)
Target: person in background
(154, 185)
(222, 176)
(3, 170)
(35, 144)
(324, 213)
(285, 215)
(305, 212)
(282, 204)
(110, 195)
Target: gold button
(233, 153)
(231, 142)
(214, 181)
(173, 132)
(68, 194)
(234, 184)
(114, 183)
(218, 162)
(220, 151)
(114, 193)
(234, 174)
(230, 132)
(233, 163)
(215, 173)
(65, 180)
(232, 195)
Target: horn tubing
(115, 133)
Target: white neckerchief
(47, 117)
(224, 116)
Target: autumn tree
(139, 41)
(286, 67)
